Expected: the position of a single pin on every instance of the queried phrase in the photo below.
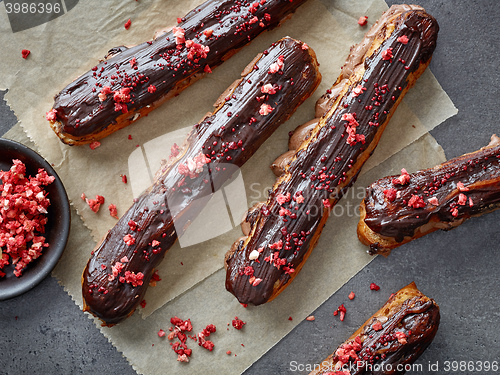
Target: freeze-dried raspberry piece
(23, 209)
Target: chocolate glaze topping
(320, 172)
(479, 172)
(357, 54)
(215, 147)
(415, 320)
(164, 63)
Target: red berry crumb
(127, 24)
(387, 54)
(416, 201)
(377, 326)
(390, 194)
(238, 323)
(342, 310)
(178, 331)
(207, 344)
(113, 211)
(374, 286)
(351, 296)
(403, 39)
(25, 53)
(95, 204)
(23, 209)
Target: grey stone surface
(43, 332)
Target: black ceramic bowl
(56, 230)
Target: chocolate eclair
(398, 209)
(130, 82)
(390, 340)
(272, 86)
(328, 155)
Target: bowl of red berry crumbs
(35, 218)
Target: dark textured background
(44, 332)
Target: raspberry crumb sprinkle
(113, 211)
(265, 109)
(127, 24)
(129, 239)
(416, 201)
(434, 201)
(374, 286)
(238, 323)
(278, 65)
(25, 53)
(135, 279)
(180, 331)
(387, 54)
(377, 326)
(403, 39)
(94, 145)
(202, 341)
(341, 310)
(23, 209)
(95, 204)
(51, 115)
(403, 179)
(461, 186)
(390, 194)
(363, 20)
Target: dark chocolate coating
(161, 64)
(229, 137)
(479, 171)
(319, 169)
(418, 319)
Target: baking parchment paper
(192, 284)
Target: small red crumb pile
(238, 323)
(154, 279)
(23, 210)
(178, 331)
(202, 341)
